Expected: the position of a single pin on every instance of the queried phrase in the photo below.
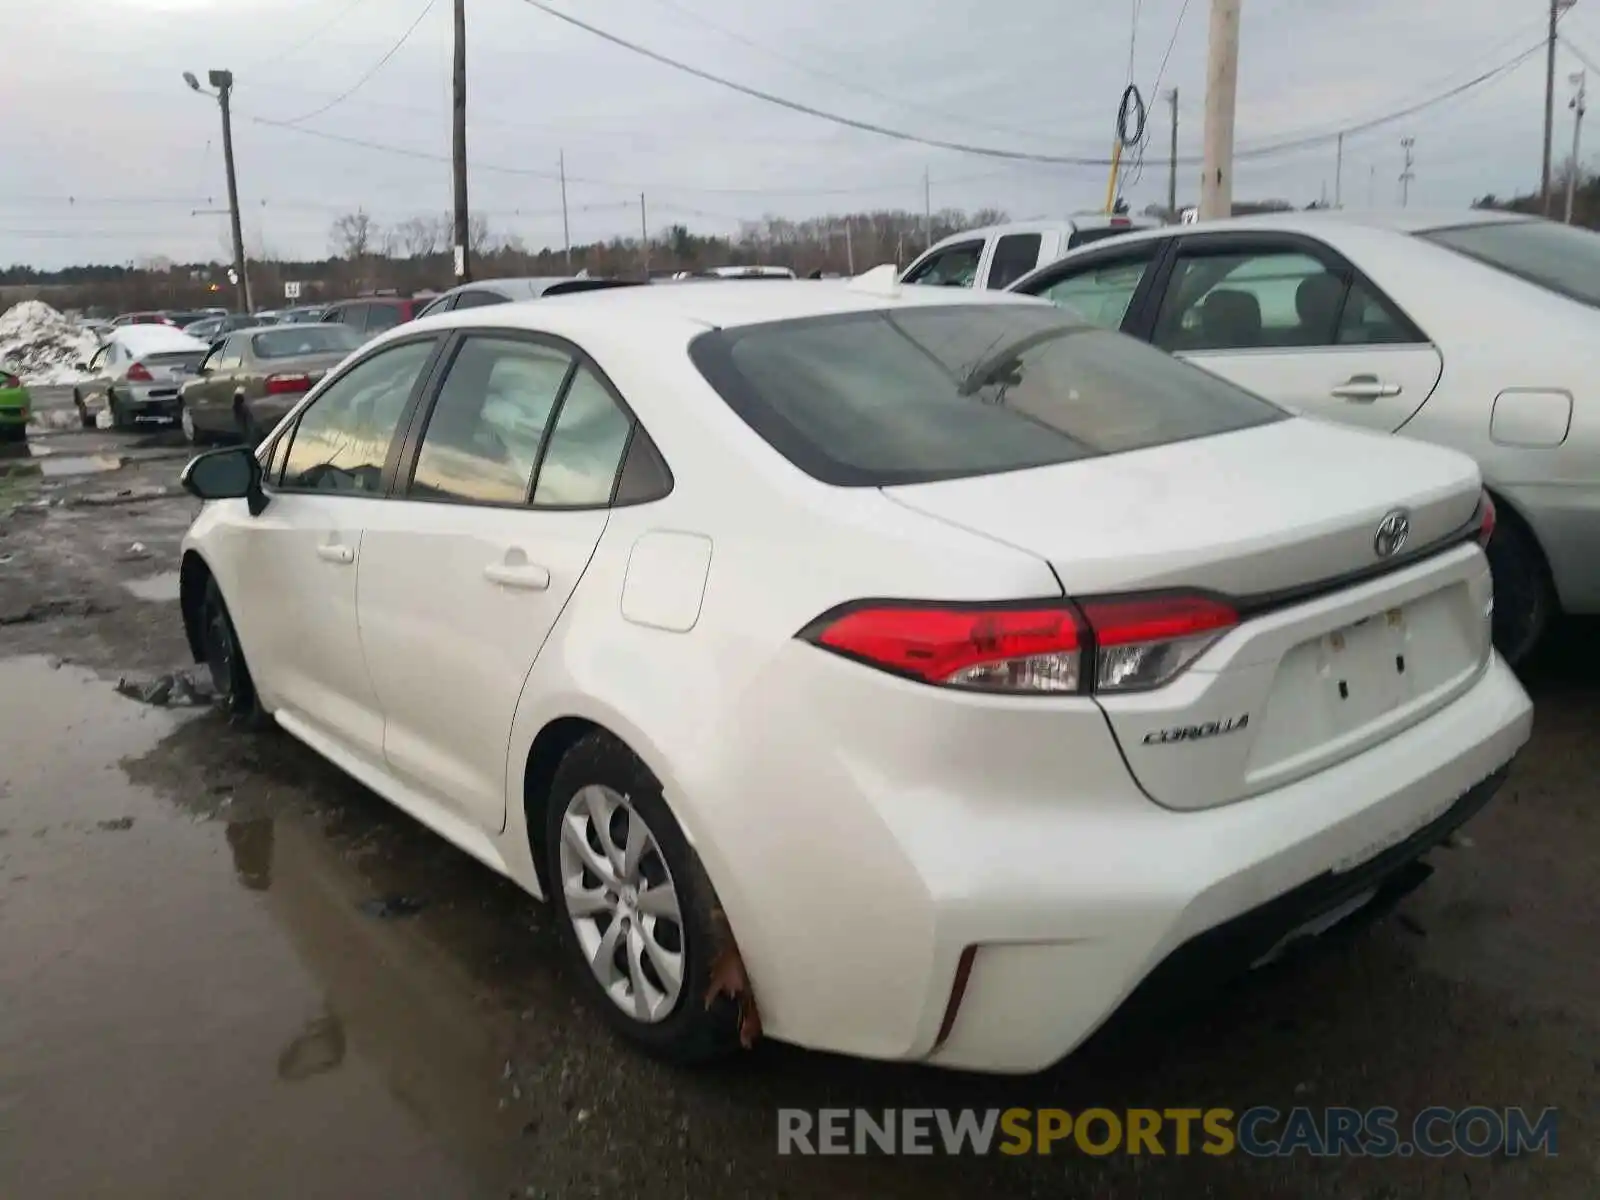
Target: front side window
(1014, 256)
(891, 397)
(342, 438)
(1100, 293)
(580, 464)
(954, 267)
(483, 436)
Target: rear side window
(580, 465)
(1559, 258)
(1014, 256)
(893, 397)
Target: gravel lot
(208, 989)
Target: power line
(833, 77)
(312, 36)
(376, 67)
(993, 152)
(1155, 89)
(1579, 54)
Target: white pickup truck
(999, 255)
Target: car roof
(712, 304)
(154, 339)
(1308, 221)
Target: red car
(144, 318)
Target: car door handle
(335, 553)
(524, 575)
(1365, 388)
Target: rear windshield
(295, 340)
(587, 285)
(1558, 257)
(881, 398)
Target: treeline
(416, 254)
(1585, 198)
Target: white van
(999, 255)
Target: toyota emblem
(1393, 531)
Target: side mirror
(231, 473)
(81, 366)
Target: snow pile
(41, 345)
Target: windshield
(293, 341)
(1557, 257)
(881, 398)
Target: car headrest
(1231, 318)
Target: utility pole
(1407, 175)
(1549, 103)
(849, 250)
(644, 237)
(566, 230)
(927, 209)
(1172, 160)
(458, 145)
(1222, 88)
(1579, 106)
(1338, 176)
(223, 82)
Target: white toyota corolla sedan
(955, 665)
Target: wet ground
(226, 970)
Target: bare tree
(354, 234)
(421, 237)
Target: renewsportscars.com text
(1260, 1132)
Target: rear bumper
(873, 841)
(153, 400)
(1225, 887)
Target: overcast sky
(105, 154)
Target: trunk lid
(1262, 510)
(173, 365)
(1273, 517)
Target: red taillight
(9, 381)
(283, 385)
(139, 373)
(1106, 645)
(1486, 519)
(1033, 649)
(1143, 642)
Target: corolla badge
(1196, 733)
(1393, 531)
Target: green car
(14, 406)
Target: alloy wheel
(623, 903)
(186, 418)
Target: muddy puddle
(67, 466)
(154, 588)
(186, 968)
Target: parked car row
(861, 662)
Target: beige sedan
(252, 377)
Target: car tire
(13, 433)
(85, 417)
(224, 658)
(599, 777)
(119, 419)
(1524, 596)
(192, 433)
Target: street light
(223, 82)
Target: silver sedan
(1472, 329)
